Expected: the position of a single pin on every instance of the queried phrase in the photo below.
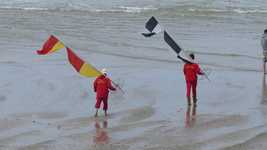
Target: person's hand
(114, 87)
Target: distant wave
(23, 8)
(118, 9)
(137, 9)
(235, 10)
(35, 8)
(127, 9)
(249, 11)
(141, 9)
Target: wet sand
(152, 124)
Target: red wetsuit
(102, 85)
(191, 70)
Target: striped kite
(50, 46)
(81, 66)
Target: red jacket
(191, 70)
(102, 85)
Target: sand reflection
(101, 135)
(190, 116)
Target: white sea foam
(241, 11)
(236, 10)
(76, 8)
(133, 6)
(137, 9)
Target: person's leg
(194, 89)
(188, 117)
(105, 124)
(97, 105)
(194, 114)
(96, 112)
(264, 64)
(188, 91)
(105, 108)
(97, 125)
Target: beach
(45, 104)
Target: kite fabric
(50, 46)
(81, 66)
(84, 68)
(172, 43)
(152, 25)
(180, 53)
(148, 34)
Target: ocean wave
(29, 8)
(126, 9)
(122, 9)
(23, 8)
(240, 11)
(235, 10)
(135, 9)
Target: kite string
(207, 72)
(118, 86)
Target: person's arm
(110, 86)
(199, 71)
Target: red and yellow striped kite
(50, 46)
(81, 66)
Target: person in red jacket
(191, 71)
(102, 85)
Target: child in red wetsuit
(191, 70)
(102, 85)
